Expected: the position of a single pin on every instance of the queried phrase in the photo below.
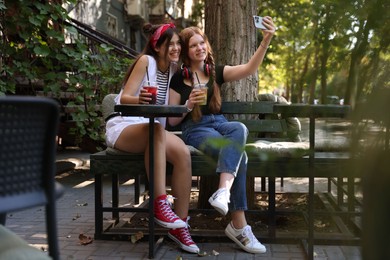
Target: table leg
(98, 206)
(151, 187)
(311, 189)
(115, 196)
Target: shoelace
(185, 234)
(247, 232)
(166, 208)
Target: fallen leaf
(214, 252)
(319, 224)
(76, 217)
(204, 253)
(85, 240)
(137, 236)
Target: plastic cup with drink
(203, 90)
(151, 87)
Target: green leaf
(50, 76)
(80, 98)
(55, 34)
(71, 30)
(35, 21)
(54, 16)
(61, 57)
(89, 92)
(42, 50)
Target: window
(112, 25)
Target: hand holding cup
(148, 93)
(200, 92)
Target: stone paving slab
(75, 215)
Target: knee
(159, 130)
(179, 153)
(183, 152)
(241, 131)
(158, 127)
(244, 129)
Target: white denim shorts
(115, 126)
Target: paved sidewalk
(75, 216)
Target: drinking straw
(196, 74)
(147, 74)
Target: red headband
(160, 31)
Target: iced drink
(203, 89)
(152, 88)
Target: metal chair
(28, 129)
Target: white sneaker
(220, 199)
(245, 239)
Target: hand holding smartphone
(258, 22)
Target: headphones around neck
(187, 73)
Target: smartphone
(258, 22)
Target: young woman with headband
(157, 63)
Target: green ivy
(34, 53)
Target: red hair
(215, 101)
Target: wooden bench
(269, 157)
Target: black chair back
(28, 129)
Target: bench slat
(264, 107)
(265, 125)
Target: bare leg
(226, 180)
(135, 139)
(179, 155)
(238, 219)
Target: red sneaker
(164, 215)
(182, 237)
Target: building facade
(123, 19)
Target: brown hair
(165, 38)
(215, 101)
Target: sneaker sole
(182, 246)
(218, 206)
(253, 251)
(169, 225)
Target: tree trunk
(313, 78)
(325, 55)
(229, 27)
(356, 57)
(301, 81)
(352, 80)
(232, 35)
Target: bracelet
(261, 44)
(188, 109)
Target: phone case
(258, 22)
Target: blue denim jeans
(225, 141)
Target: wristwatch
(188, 109)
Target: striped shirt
(162, 82)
